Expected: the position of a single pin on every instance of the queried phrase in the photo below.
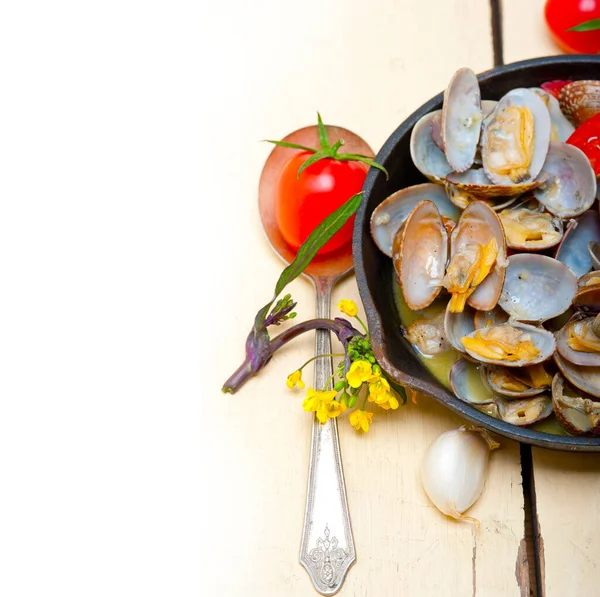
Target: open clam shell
(572, 250)
(562, 129)
(436, 130)
(576, 411)
(577, 357)
(468, 383)
(499, 378)
(458, 325)
(419, 253)
(499, 142)
(428, 158)
(536, 287)
(462, 199)
(571, 186)
(484, 319)
(391, 213)
(476, 182)
(586, 379)
(477, 225)
(525, 411)
(461, 119)
(594, 251)
(588, 292)
(542, 340)
(529, 228)
(580, 100)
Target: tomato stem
(327, 151)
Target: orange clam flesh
(511, 143)
(468, 267)
(502, 343)
(582, 338)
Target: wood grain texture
(524, 31)
(365, 66)
(567, 486)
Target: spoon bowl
(332, 265)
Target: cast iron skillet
(374, 271)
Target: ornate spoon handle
(327, 549)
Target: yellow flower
(390, 402)
(360, 420)
(323, 403)
(295, 378)
(348, 307)
(359, 372)
(381, 394)
(329, 410)
(379, 388)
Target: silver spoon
(327, 548)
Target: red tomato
(554, 87)
(564, 14)
(587, 137)
(303, 203)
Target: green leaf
(591, 25)
(315, 157)
(398, 389)
(323, 137)
(355, 157)
(317, 239)
(290, 145)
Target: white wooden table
(365, 66)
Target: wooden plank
(366, 67)
(567, 486)
(524, 31)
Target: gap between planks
(532, 532)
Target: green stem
(363, 325)
(365, 402)
(320, 356)
(330, 379)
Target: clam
(571, 186)
(484, 319)
(515, 138)
(594, 251)
(426, 155)
(428, 335)
(419, 253)
(488, 106)
(458, 325)
(577, 411)
(517, 383)
(528, 228)
(476, 182)
(491, 409)
(436, 130)
(562, 129)
(580, 100)
(588, 292)
(525, 411)
(578, 343)
(391, 213)
(469, 384)
(586, 379)
(572, 250)
(461, 119)
(511, 344)
(536, 287)
(475, 273)
(462, 199)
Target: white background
(104, 272)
